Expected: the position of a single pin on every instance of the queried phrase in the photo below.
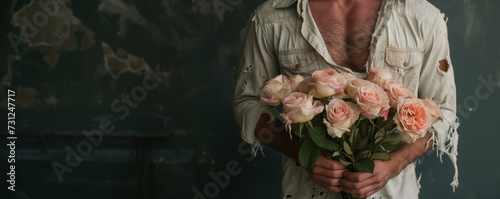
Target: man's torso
(346, 29)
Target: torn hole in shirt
(444, 65)
(248, 69)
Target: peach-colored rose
(325, 83)
(378, 75)
(299, 107)
(340, 117)
(371, 99)
(396, 90)
(353, 85)
(276, 90)
(413, 119)
(304, 86)
(295, 81)
(435, 111)
(344, 78)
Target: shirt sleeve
(438, 84)
(257, 64)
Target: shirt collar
(288, 3)
(285, 3)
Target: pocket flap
(297, 59)
(403, 58)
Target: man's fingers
(327, 172)
(357, 176)
(327, 183)
(363, 192)
(329, 164)
(358, 183)
(361, 185)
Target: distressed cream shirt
(409, 39)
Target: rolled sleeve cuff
(248, 126)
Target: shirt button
(405, 64)
(298, 66)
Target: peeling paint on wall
(51, 59)
(129, 14)
(88, 37)
(122, 61)
(50, 27)
(25, 95)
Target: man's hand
(328, 173)
(362, 185)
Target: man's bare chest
(347, 42)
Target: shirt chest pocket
(302, 62)
(405, 65)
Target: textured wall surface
(132, 99)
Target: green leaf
(345, 138)
(361, 144)
(365, 165)
(390, 147)
(394, 138)
(301, 126)
(381, 156)
(388, 124)
(379, 134)
(308, 154)
(378, 139)
(363, 128)
(344, 162)
(318, 136)
(336, 153)
(363, 154)
(347, 148)
(326, 153)
(356, 138)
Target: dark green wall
(176, 130)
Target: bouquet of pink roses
(349, 119)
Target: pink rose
(371, 99)
(295, 81)
(353, 85)
(379, 75)
(435, 111)
(299, 107)
(413, 119)
(344, 78)
(304, 86)
(396, 90)
(340, 117)
(325, 83)
(276, 90)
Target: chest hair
(348, 44)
